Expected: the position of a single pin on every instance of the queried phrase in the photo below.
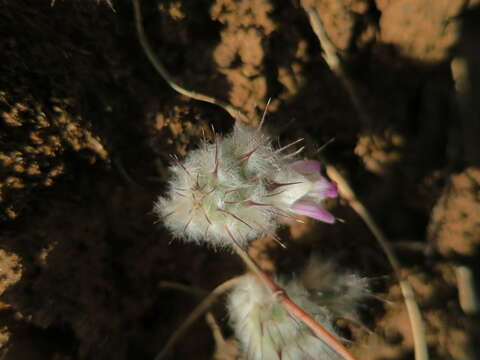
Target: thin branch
(467, 293)
(216, 331)
(281, 296)
(184, 288)
(195, 314)
(334, 63)
(414, 314)
(461, 73)
(235, 112)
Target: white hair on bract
(267, 331)
(340, 291)
(238, 187)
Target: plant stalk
(281, 296)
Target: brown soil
(87, 127)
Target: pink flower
(308, 188)
(312, 209)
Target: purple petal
(324, 188)
(306, 167)
(313, 210)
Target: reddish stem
(282, 297)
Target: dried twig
(216, 331)
(333, 61)
(235, 112)
(281, 296)
(467, 293)
(195, 314)
(461, 73)
(415, 316)
(184, 288)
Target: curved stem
(414, 313)
(235, 112)
(195, 314)
(335, 64)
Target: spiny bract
(237, 187)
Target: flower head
(237, 188)
(266, 330)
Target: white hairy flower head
(340, 291)
(237, 188)
(266, 330)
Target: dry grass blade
(467, 293)
(461, 73)
(184, 288)
(415, 316)
(216, 331)
(235, 112)
(333, 61)
(195, 314)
